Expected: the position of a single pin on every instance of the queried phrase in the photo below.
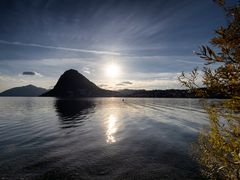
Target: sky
(150, 42)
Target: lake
(99, 138)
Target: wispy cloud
(103, 85)
(124, 83)
(189, 62)
(86, 70)
(120, 84)
(28, 73)
(31, 73)
(60, 48)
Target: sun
(112, 70)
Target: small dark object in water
(122, 99)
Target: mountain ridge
(73, 84)
(28, 91)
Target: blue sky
(150, 41)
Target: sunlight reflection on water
(111, 129)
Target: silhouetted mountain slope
(28, 90)
(74, 84)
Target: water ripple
(98, 138)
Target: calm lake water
(99, 138)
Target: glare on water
(111, 129)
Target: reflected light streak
(111, 129)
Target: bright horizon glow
(112, 70)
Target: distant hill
(28, 90)
(168, 93)
(73, 84)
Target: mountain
(28, 90)
(73, 84)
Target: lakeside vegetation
(218, 147)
